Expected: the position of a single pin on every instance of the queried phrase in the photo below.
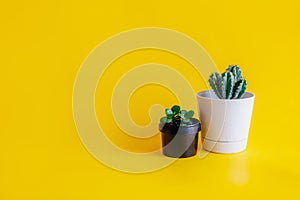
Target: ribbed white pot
(225, 122)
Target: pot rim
(197, 122)
(199, 95)
(189, 129)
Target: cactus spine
(230, 84)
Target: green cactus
(230, 84)
(235, 70)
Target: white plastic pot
(225, 122)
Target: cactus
(230, 84)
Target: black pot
(180, 141)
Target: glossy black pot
(180, 141)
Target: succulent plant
(230, 84)
(177, 117)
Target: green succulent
(177, 116)
(230, 84)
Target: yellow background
(43, 44)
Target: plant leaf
(169, 113)
(189, 114)
(186, 121)
(182, 114)
(163, 120)
(175, 109)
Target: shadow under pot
(180, 141)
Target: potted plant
(179, 133)
(225, 112)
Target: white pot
(225, 122)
